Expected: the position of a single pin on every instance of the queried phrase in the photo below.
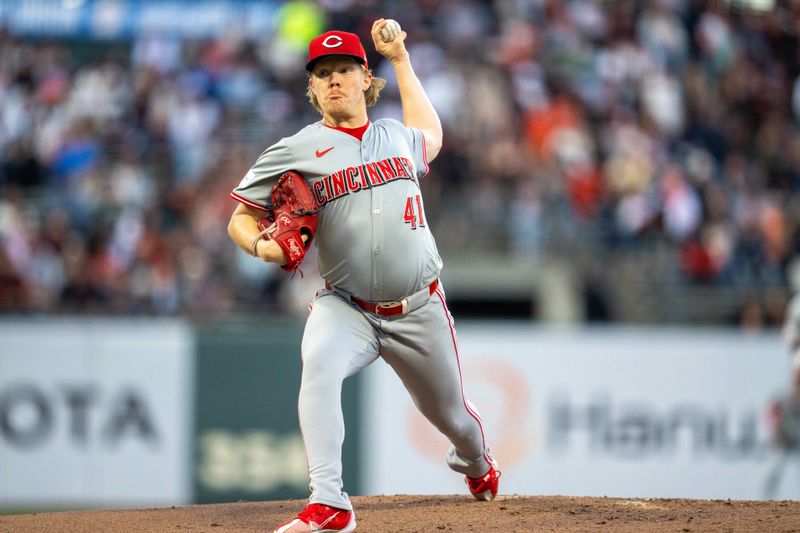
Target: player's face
(339, 83)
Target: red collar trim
(358, 133)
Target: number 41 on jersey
(413, 214)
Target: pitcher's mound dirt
(423, 514)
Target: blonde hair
(371, 95)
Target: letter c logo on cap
(332, 41)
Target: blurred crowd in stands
(575, 127)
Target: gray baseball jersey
(373, 237)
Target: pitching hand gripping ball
(390, 31)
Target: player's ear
(367, 77)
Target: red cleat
(485, 488)
(320, 518)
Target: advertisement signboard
(248, 444)
(616, 412)
(94, 412)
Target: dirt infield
(422, 514)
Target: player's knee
(315, 362)
(441, 421)
(458, 427)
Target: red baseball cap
(336, 43)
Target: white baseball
(390, 32)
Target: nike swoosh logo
(320, 154)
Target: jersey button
(377, 251)
(376, 211)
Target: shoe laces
(479, 484)
(318, 513)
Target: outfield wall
(609, 412)
(153, 412)
(95, 412)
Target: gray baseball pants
(340, 340)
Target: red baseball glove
(294, 213)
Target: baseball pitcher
(351, 186)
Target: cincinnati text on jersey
(353, 179)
